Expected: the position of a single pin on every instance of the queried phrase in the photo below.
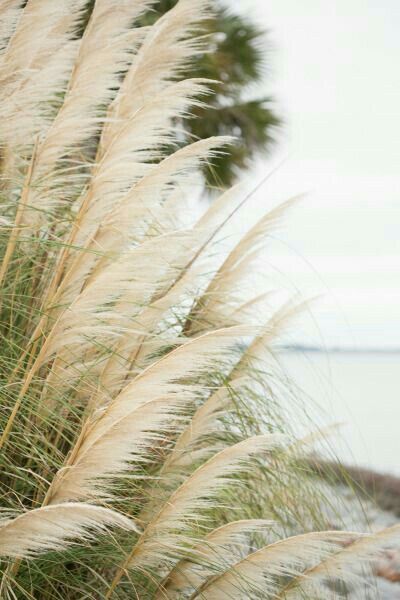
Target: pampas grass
(144, 452)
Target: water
(361, 391)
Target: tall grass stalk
(144, 449)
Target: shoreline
(382, 488)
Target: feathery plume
(125, 429)
(219, 549)
(54, 527)
(346, 564)
(193, 496)
(260, 571)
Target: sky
(334, 73)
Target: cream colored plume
(215, 553)
(104, 308)
(205, 421)
(259, 350)
(138, 142)
(260, 572)
(123, 446)
(40, 30)
(194, 444)
(145, 337)
(35, 68)
(140, 416)
(224, 295)
(190, 359)
(6, 5)
(146, 334)
(169, 46)
(142, 205)
(145, 205)
(145, 105)
(10, 12)
(347, 564)
(108, 312)
(166, 531)
(55, 527)
(105, 51)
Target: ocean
(361, 393)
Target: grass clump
(143, 451)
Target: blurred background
(311, 91)
(333, 75)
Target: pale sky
(335, 76)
